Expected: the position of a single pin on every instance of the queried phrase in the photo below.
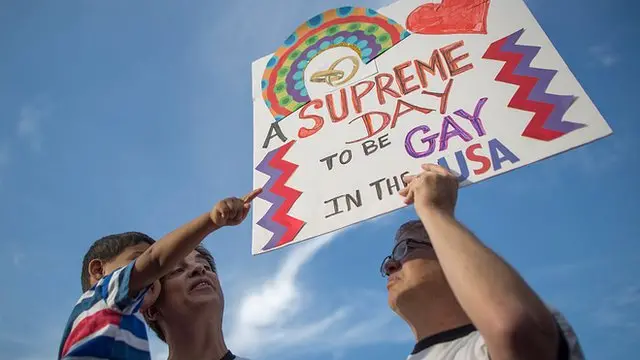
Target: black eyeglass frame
(408, 248)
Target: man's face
(190, 286)
(412, 270)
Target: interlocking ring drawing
(335, 77)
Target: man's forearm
(494, 296)
(162, 256)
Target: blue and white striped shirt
(106, 323)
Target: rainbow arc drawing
(364, 30)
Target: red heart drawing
(450, 17)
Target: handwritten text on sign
(352, 102)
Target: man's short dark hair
(107, 248)
(411, 226)
(207, 255)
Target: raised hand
(232, 211)
(434, 188)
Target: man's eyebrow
(202, 258)
(182, 263)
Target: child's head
(110, 253)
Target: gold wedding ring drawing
(328, 76)
(335, 77)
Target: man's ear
(96, 270)
(151, 313)
(151, 296)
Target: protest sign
(355, 98)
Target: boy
(120, 276)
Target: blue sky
(120, 115)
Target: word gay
(430, 142)
(449, 129)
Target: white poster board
(357, 97)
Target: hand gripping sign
(355, 98)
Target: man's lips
(201, 283)
(391, 280)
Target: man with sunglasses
(461, 300)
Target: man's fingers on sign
(409, 178)
(407, 191)
(436, 169)
(442, 171)
(412, 180)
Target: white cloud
(28, 127)
(604, 54)
(264, 311)
(278, 296)
(283, 316)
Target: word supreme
(407, 78)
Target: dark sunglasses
(392, 262)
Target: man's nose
(395, 266)
(196, 270)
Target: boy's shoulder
(110, 282)
(99, 316)
(109, 293)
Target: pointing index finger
(252, 195)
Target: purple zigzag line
(561, 103)
(266, 221)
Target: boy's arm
(162, 256)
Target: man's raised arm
(509, 315)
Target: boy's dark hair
(107, 248)
(207, 255)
